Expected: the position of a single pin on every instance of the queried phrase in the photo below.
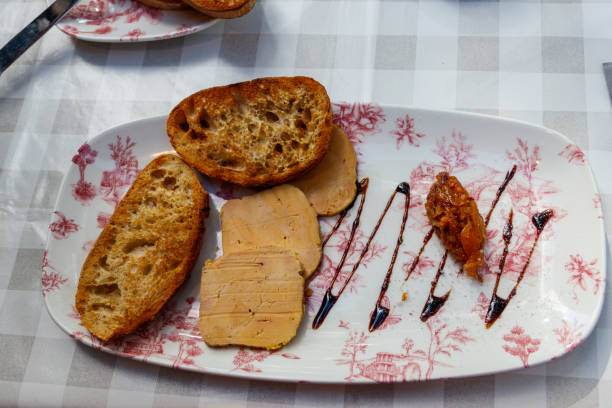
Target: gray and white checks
(539, 61)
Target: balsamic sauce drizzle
(381, 312)
(497, 304)
(362, 187)
(434, 303)
(500, 191)
(415, 262)
(330, 299)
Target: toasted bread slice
(146, 250)
(258, 133)
(280, 216)
(164, 4)
(331, 185)
(221, 9)
(252, 298)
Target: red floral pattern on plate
(405, 132)
(84, 191)
(520, 344)
(62, 228)
(115, 182)
(51, 279)
(580, 272)
(424, 264)
(482, 306)
(173, 325)
(358, 120)
(597, 204)
(246, 359)
(526, 192)
(412, 363)
(133, 35)
(573, 154)
(105, 13)
(569, 336)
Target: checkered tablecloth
(539, 61)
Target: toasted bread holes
(181, 121)
(271, 117)
(169, 183)
(157, 174)
(106, 289)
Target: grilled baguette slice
(258, 133)
(222, 9)
(146, 250)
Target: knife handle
(33, 31)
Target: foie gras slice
(281, 216)
(252, 298)
(331, 185)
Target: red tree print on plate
(88, 245)
(114, 183)
(82, 190)
(245, 359)
(454, 154)
(520, 344)
(409, 364)
(482, 306)
(424, 264)
(526, 192)
(597, 204)
(172, 326)
(580, 272)
(133, 35)
(569, 336)
(68, 29)
(358, 120)
(102, 219)
(105, 12)
(405, 132)
(573, 154)
(62, 228)
(51, 279)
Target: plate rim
(594, 317)
(145, 38)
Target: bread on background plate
(222, 8)
(165, 4)
(258, 133)
(145, 251)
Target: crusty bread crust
(222, 13)
(164, 4)
(257, 133)
(145, 251)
